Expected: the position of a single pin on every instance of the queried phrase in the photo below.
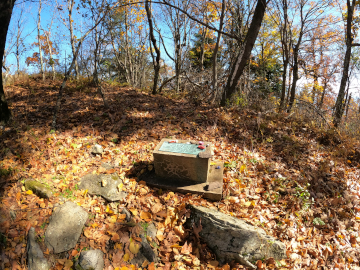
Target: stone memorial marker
(186, 167)
(181, 160)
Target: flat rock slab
(65, 227)
(211, 190)
(38, 188)
(105, 185)
(36, 259)
(231, 238)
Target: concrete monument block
(180, 159)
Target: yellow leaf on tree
(134, 247)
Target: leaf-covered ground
(298, 182)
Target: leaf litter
(280, 175)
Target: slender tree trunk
(285, 56)
(156, 61)
(215, 53)
(322, 95)
(296, 64)
(96, 62)
(244, 56)
(202, 49)
(39, 40)
(18, 43)
(72, 37)
(345, 74)
(177, 60)
(6, 7)
(347, 107)
(52, 62)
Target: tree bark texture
(72, 37)
(243, 56)
(153, 41)
(6, 7)
(339, 108)
(39, 40)
(216, 49)
(285, 54)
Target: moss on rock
(38, 188)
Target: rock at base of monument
(231, 238)
(65, 227)
(38, 188)
(211, 190)
(36, 259)
(95, 186)
(90, 260)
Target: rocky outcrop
(233, 239)
(91, 260)
(38, 188)
(35, 257)
(105, 185)
(65, 227)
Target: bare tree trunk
(156, 61)
(347, 107)
(215, 53)
(296, 63)
(18, 42)
(96, 61)
(52, 62)
(6, 8)
(72, 37)
(285, 55)
(244, 56)
(39, 40)
(345, 74)
(322, 95)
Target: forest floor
(298, 182)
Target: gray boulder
(91, 260)
(65, 227)
(105, 185)
(233, 239)
(146, 252)
(36, 259)
(97, 149)
(38, 188)
(151, 231)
